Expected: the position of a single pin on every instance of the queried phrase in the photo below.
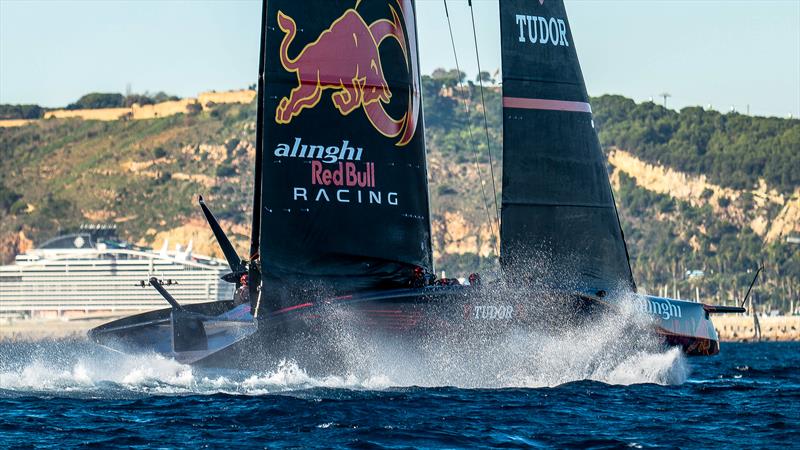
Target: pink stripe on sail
(292, 308)
(540, 103)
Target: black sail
(345, 199)
(559, 221)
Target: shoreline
(44, 329)
(742, 329)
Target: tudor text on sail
(542, 30)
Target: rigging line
(485, 121)
(469, 131)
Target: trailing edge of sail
(345, 196)
(559, 221)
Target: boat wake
(121, 376)
(619, 349)
(616, 348)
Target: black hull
(320, 336)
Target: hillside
(697, 190)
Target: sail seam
(541, 80)
(570, 205)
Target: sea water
(69, 393)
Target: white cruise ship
(92, 273)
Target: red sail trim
(292, 308)
(551, 105)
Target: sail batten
(566, 205)
(559, 221)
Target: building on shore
(91, 272)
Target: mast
(255, 230)
(559, 221)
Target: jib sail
(559, 221)
(344, 185)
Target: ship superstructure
(91, 272)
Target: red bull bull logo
(345, 58)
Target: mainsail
(559, 221)
(344, 186)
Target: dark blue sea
(72, 394)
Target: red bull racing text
(346, 173)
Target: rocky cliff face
(12, 244)
(759, 213)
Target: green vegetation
(444, 94)
(149, 99)
(91, 101)
(730, 149)
(21, 112)
(97, 100)
(8, 198)
(57, 174)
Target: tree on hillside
(138, 99)
(97, 100)
(21, 112)
(149, 99)
(439, 110)
(448, 78)
(161, 96)
(484, 76)
(7, 198)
